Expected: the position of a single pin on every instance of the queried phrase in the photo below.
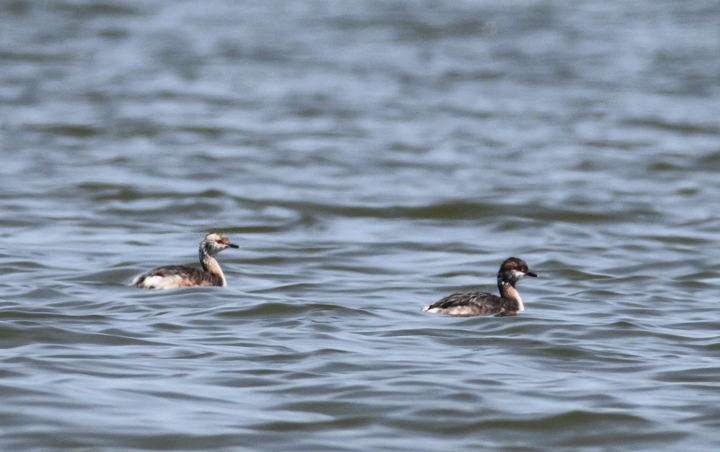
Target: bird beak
(530, 274)
(232, 245)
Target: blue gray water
(369, 157)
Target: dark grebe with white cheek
(479, 303)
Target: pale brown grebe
(174, 276)
(478, 303)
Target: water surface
(369, 158)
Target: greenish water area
(369, 158)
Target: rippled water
(369, 158)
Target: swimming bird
(478, 303)
(174, 276)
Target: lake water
(369, 157)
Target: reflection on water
(369, 158)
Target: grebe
(174, 276)
(478, 303)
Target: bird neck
(509, 292)
(210, 265)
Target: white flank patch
(158, 282)
(455, 310)
(462, 310)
